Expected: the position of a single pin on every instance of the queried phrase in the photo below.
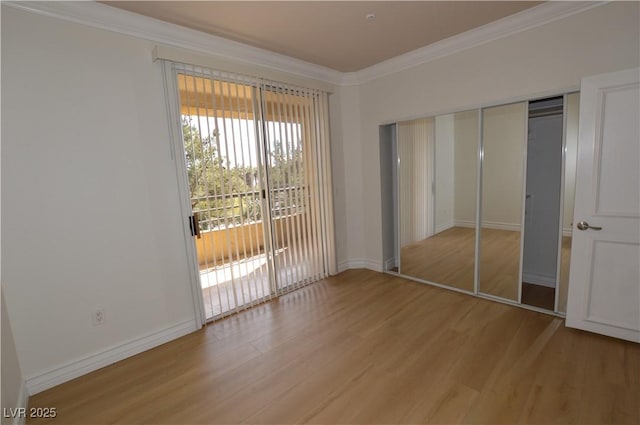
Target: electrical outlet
(98, 317)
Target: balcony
(232, 246)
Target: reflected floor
(446, 258)
(500, 263)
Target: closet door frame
(480, 162)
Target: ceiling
(335, 34)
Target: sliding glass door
(226, 177)
(256, 164)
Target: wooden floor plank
(367, 348)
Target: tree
(218, 191)
(286, 173)
(225, 194)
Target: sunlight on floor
(229, 271)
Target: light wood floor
(367, 348)
(448, 258)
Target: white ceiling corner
(513, 24)
(120, 21)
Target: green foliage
(286, 173)
(225, 195)
(218, 191)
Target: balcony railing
(228, 210)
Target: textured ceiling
(336, 35)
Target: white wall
(550, 58)
(90, 216)
(90, 212)
(503, 165)
(90, 200)
(444, 170)
(347, 177)
(466, 167)
(12, 380)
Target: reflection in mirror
(542, 202)
(438, 198)
(389, 195)
(571, 158)
(415, 146)
(503, 153)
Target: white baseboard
(443, 227)
(349, 264)
(566, 231)
(465, 223)
(373, 265)
(390, 263)
(360, 263)
(84, 365)
(500, 226)
(539, 279)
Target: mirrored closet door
(437, 198)
(503, 170)
(481, 201)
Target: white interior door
(604, 286)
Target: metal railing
(221, 211)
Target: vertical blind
(416, 152)
(258, 163)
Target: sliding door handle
(583, 225)
(194, 225)
(196, 222)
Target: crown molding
(121, 21)
(124, 22)
(510, 25)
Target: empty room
(355, 212)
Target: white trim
(500, 226)
(22, 403)
(539, 279)
(360, 263)
(124, 22)
(92, 362)
(567, 231)
(510, 25)
(357, 263)
(443, 227)
(344, 266)
(120, 21)
(390, 263)
(376, 266)
(464, 223)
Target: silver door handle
(583, 225)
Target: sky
(237, 137)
